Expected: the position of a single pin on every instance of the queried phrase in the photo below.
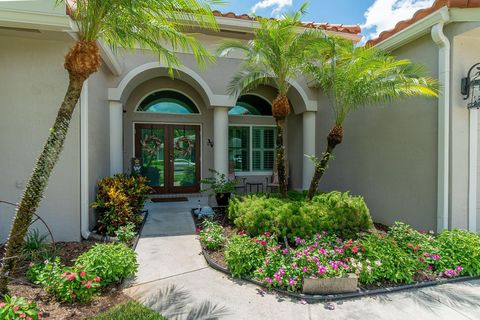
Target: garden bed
(407, 265)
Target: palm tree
(354, 77)
(149, 24)
(276, 54)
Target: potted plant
(220, 186)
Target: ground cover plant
(259, 247)
(128, 311)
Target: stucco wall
(98, 133)
(33, 83)
(389, 153)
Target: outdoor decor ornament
(470, 87)
(179, 146)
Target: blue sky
(373, 15)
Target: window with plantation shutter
(251, 148)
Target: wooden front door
(170, 156)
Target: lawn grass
(128, 311)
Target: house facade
(180, 127)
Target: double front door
(170, 156)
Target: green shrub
(459, 248)
(67, 284)
(334, 212)
(243, 255)
(18, 308)
(128, 311)
(36, 247)
(126, 233)
(397, 266)
(211, 235)
(112, 262)
(119, 201)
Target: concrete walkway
(173, 276)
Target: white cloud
(384, 14)
(278, 5)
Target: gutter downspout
(443, 122)
(84, 203)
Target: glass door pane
(184, 157)
(151, 152)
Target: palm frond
(162, 26)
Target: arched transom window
(251, 105)
(168, 101)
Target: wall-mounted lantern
(470, 87)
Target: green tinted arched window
(251, 105)
(168, 101)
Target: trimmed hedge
(334, 212)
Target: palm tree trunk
(79, 65)
(280, 150)
(280, 110)
(334, 138)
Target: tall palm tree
(149, 24)
(354, 77)
(276, 54)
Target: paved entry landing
(173, 275)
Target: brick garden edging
(340, 296)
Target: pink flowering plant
(67, 284)
(76, 285)
(324, 256)
(18, 308)
(211, 235)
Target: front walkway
(173, 272)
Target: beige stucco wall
(33, 83)
(98, 133)
(389, 153)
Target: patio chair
(272, 181)
(241, 181)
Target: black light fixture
(470, 87)
(210, 143)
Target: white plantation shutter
(255, 144)
(263, 148)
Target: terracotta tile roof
(422, 13)
(352, 29)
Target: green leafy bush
(119, 201)
(67, 284)
(397, 266)
(334, 212)
(18, 308)
(112, 262)
(459, 250)
(36, 247)
(211, 235)
(243, 255)
(126, 233)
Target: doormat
(172, 199)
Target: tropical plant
(112, 262)
(219, 183)
(36, 246)
(276, 54)
(18, 308)
(148, 24)
(126, 233)
(354, 77)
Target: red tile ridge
(420, 14)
